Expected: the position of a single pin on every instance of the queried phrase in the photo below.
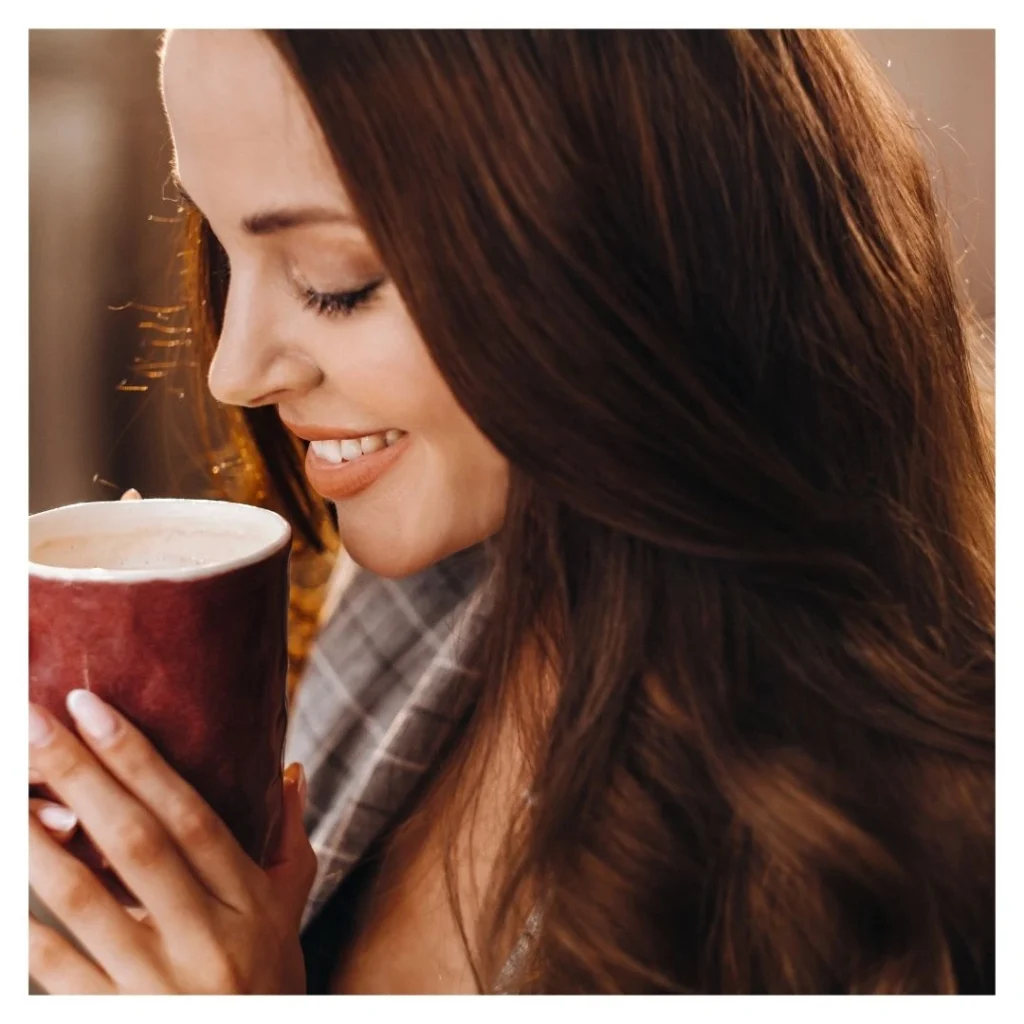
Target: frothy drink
(175, 612)
(155, 548)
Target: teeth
(353, 448)
(350, 450)
(329, 451)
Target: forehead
(240, 125)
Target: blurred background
(103, 415)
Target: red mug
(175, 612)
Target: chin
(395, 559)
(392, 560)
(397, 546)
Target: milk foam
(159, 547)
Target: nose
(253, 364)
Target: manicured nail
(92, 715)
(57, 818)
(40, 726)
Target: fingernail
(35, 777)
(295, 776)
(40, 726)
(131, 495)
(57, 818)
(92, 715)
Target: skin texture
(246, 143)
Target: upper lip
(311, 432)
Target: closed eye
(340, 303)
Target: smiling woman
(312, 323)
(633, 371)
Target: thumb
(292, 867)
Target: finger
(79, 900)
(60, 968)
(212, 852)
(129, 836)
(37, 788)
(131, 495)
(59, 821)
(293, 866)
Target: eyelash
(339, 303)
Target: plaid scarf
(373, 707)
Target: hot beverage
(175, 612)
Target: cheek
(381, 367)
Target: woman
(669, 666)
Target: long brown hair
(695, 286)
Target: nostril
(270, 398)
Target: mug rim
(279, 537)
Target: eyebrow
(270, 222)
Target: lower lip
(346, 479)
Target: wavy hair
(695, 285)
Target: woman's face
(313, 325)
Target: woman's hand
(215, 921)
